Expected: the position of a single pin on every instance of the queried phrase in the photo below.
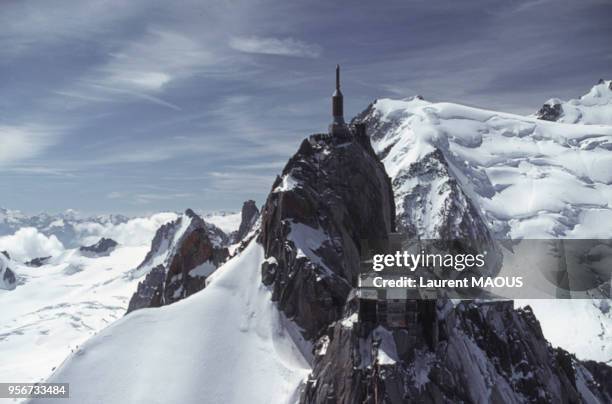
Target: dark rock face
(182, 256)
(8, 279)
(333, 194)
(161, 242)
(600, 371)
(195, 252)
(149, 291)
(38, 262)
(6, 254)
(486, 352)
(9, 276)
(249, 217)
(550, 112)
(104, 247)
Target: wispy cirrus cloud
(141, 68)
(275, 46)
(143, 198)
(153, 60)
(37, 170)
(25, 141)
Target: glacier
(525, 177)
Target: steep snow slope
(593, 108)
(226, 344)
(527, 178)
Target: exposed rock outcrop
(593, 108)
(38, 262)
(8, 279)
(475, 353)
(104, 247)
(550, 112)
(333, 193)
(183, 254)
(249, 216)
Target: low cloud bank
(28, 243)
(135, 232)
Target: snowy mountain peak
(593, 108)
(332, 194)
(515, 176)
(526, 177)
(183, 254)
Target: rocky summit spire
(338, 126)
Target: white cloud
(27, 27)
(135, 232)
(41, 170)
(28, 243)
(147, 80)
(141, 68)
(275, 46)
(22, 142)
(154, 60)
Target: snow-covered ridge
(529, 178)
(593, 108)
(227, 344)
(525, 177)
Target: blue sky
(139, 106)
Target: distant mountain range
(71, 291)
